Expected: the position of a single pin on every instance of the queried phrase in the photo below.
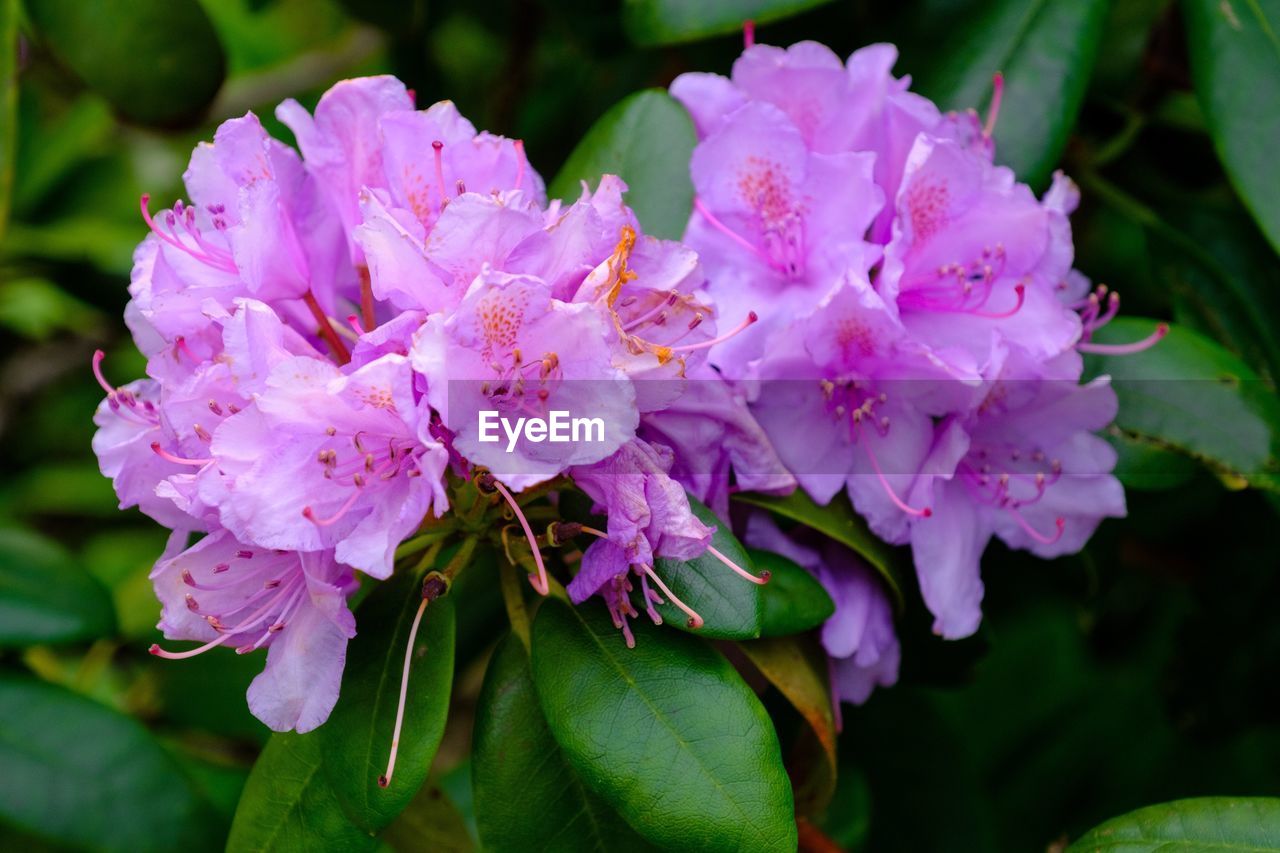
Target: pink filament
(734, 235)
(888, 489)
(310, 515)
(1059, 523)
(741, 327)
(385, 779)
(438, 149)
(541, 584)
(695, 621)
(1021, 291)
(1126, 349)
(997, 95)
(761, 579)
(748, 34)
(520, 161)
(177, 460)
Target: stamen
(997, 95)
(695, 621)
(743, 326)
(762, 579)
(748, 34)
(98, 356)
(1059, 523)
(385, 779)
(541, 584)
(1021, 291)
(520, 161)
(888, 489)
(733, 235)
(310, 515)
(1126, 349)
(438, 148)
(177, 460)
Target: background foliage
(1145, 669)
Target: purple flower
(329, 459)
(859, 637)
(1027, 468)
(220, 592)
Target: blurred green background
(1145, 669)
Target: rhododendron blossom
(322, 332)
(923, 357)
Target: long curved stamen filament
(309, 514)
(1059, 524)
(1126, 349)
(888, 489)
(752, 317)
(695, 621)
(520, 163)
(437, 148)
(326, 328)
(385, 779)
(177, 460)
(98, 356)
(760, 579)
(1021, 291)
(541, 584)
(734, 235)
(997, 95)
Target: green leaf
(836, 520)
(57, 751)
(653, 22)
(1187, 393)
(1045, 49)
(667, 733)
(1201, 825)
(793, 600)
(647, 140)
(730, 606)
(431, 824)
(797, 666)
(356, 739)
(162, 63)
(1235, 62)
(527, 797)
(288, 803)
(8, 104)
(45, 597)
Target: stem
(513, 599)
(366, 300)
(417, 543)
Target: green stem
(417, 543)
(513, 599)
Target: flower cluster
(322, 330)
(921, 327)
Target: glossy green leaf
(8, 104)
(162, 63)
(357, 738)
(730, 606)
(57, 748)
(45, 596)
(652, 22)
(1203, 825)
(667, 733)
(797, 666)
(527, 797)
(1235, 62)
(647, 140)
(793, 600)
(1045, 49)
(430, 824)
(836, 520)
(288, 803)
(1187, 393)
